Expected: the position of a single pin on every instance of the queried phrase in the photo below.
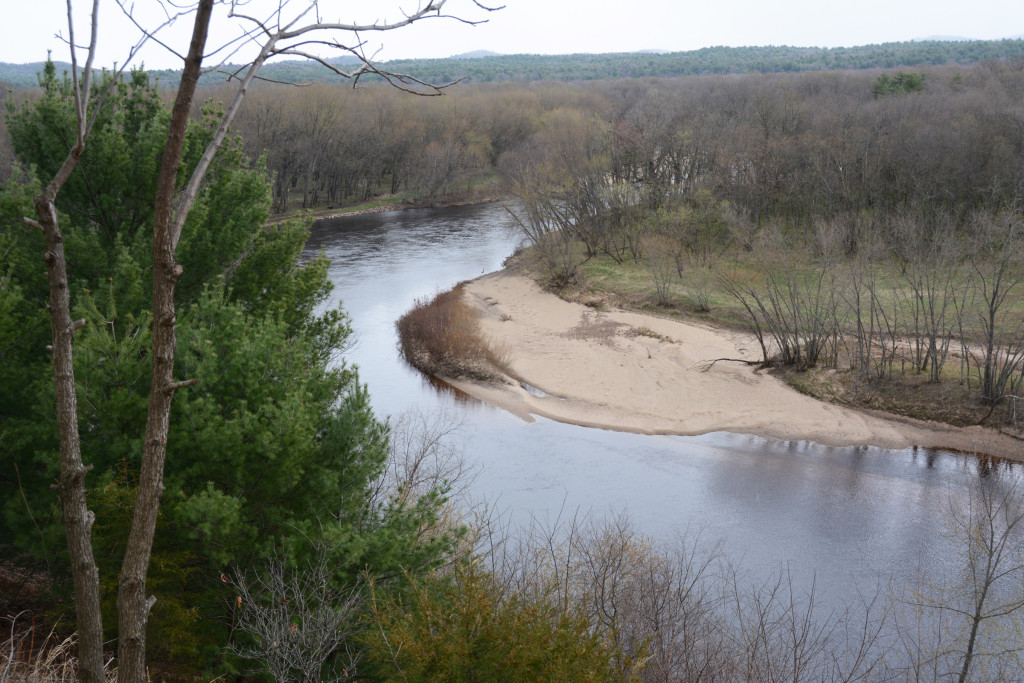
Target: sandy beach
(631, 372)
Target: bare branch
(151, 34)
(33, 223)
(706, 365)
(171, 388)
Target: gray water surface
(846, 518)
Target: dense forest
(587, 67)
(294, 516)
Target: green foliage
(24, 360)
(123, 151)
(709, 60)
(179, 632)
(276, 446)
(467, 627)
(902, 83)
(108, 201)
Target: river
(847, 519)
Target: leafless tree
(424, 458)
(681, 612)
(560, 177)
(932, 260)
(966, 626)
(78, 519)
(660, 262)
(293, 621)
(994, 339)
(796, 310)
(282, 30)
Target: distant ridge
(483, 66)
(476, 54)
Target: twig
(706, 365)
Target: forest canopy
(588, 67)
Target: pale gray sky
(564, 26)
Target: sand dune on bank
(606, 369)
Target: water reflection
(842, 517)
(458, 395)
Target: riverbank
(632, 372)
(319, 214)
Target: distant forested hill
(711, 60)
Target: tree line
(792, 145)
(575, 67)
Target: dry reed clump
(442, 336)
(24, 658)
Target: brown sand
(598, 371)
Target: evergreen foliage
(901, 84)
(585, 67)
(276, 447)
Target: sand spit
(632, 372)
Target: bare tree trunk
(78, 519)
(133, 605)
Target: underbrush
(27, 656)
(442, 336)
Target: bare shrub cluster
(442, 336)
(684, 612)
(920, 291)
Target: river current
(846, 519)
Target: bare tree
(560, 177)
(996, 273)
(661, 264)
(424, 457)
(966, 626)
(276, 33)
(797, 310)
(931, 260)
(297, 620)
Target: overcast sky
(565, 26)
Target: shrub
(442, 336)
(468, 627)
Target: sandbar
(620, 370)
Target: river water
(847, 519)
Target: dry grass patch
(442, 336)
(648, 332)
(26, 656)
(598, 328)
